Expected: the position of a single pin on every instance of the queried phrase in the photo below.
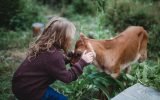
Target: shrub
(148, 73)
(12, 39)
(7, 11)
(121, 14)
(20, 13)
(72, 7)
(82, 7)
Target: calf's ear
(82, 36)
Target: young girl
(45, 63)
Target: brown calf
(115, 54)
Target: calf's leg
(116, 72)
(128, 69)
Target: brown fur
(116, 54)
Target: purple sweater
(33, 77)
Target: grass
(8, 65)
(148, 73)
(14, 46)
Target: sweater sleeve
(67, 57)
(57, 69)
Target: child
(45, 63)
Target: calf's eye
(78, 54)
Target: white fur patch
(136, 59)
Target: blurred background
(22, 20)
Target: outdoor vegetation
(101, 18)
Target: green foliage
(8, 65)
(12, 39)
(83, 7)
(154, 42)
(88, 85)
(121, 14)
(80, 89)
(147, 0)
(20, 13)
(72, 7)
(148, 73)
(7, 11)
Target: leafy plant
(94, 85)
(7, 11)
(8, 65)
(21, 14)
(148, 74)
(12, 39)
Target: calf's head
(80, 47)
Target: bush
(72, 7)
(148, 73)
(88, 86)
(154, 42)
(82, 7)
(8, 10)
(12, 39)
(20, 13)
(121, 14)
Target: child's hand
(88, 57)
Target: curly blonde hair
(57, 33)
